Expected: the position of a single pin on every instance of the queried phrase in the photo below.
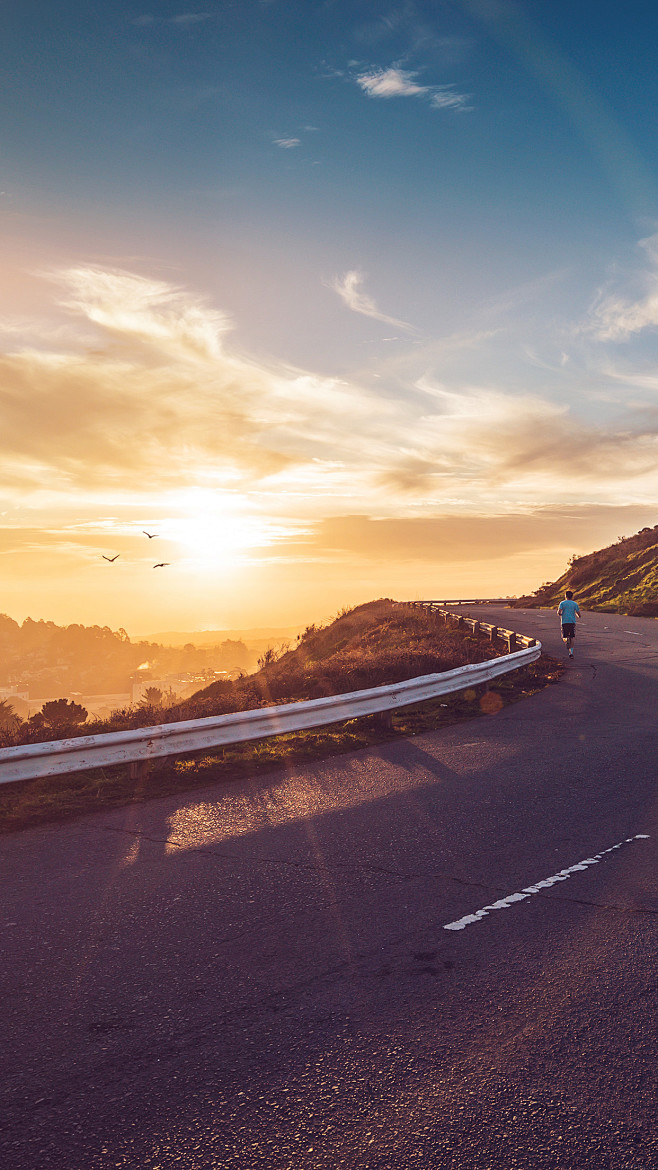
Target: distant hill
(216, 637)
(622, 578)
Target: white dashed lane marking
(562, 876)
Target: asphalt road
(260, 975)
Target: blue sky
(367, 276)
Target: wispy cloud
(485, 434)
(189, 18)
(287, 143)
(150, 311)
(446, 97)
(182, 19)
(350, 292)
(388, 83)
(617, 317)
(395, 82)
(151, 396)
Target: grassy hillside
(622, 578)
(376, 643)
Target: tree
(233, 655)
(9, 720)
(7, 713)
(152, 697)
(61, 715)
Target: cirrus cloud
(351, 294)
(394, 82)
(617, 317)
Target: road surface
(259, 975)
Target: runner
(568, 610)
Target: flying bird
(162, 564)
(151, 535)
(110, 559)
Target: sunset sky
(341, 300)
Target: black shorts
(568, 629)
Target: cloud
(349, 290)
(495, 438)
(149, 396)
(615, 317)
(287, 143)
(151, 312)
(387, 83)
(183, 19)
(394, 82)
(446, 538)
(445, 97)
(190, 18)
(152, 396)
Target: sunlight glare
(218, 532)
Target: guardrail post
(494, 633)
(511, 642)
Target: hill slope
(622, 578)
(376, 643)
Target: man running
(568, 610)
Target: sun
(221, 533)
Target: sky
(337, 300)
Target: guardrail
(30, 761)
(468, 601)
(495, 633)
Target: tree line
(97, 660)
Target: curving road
(260, 975)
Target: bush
(58, 717)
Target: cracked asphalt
(258, 975)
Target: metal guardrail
(30, 761)
(468, 601)
(493, 632)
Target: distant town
(104, 670)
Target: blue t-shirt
(567, 610)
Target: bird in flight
(110, 559)
(162, 564)
(151, 535)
